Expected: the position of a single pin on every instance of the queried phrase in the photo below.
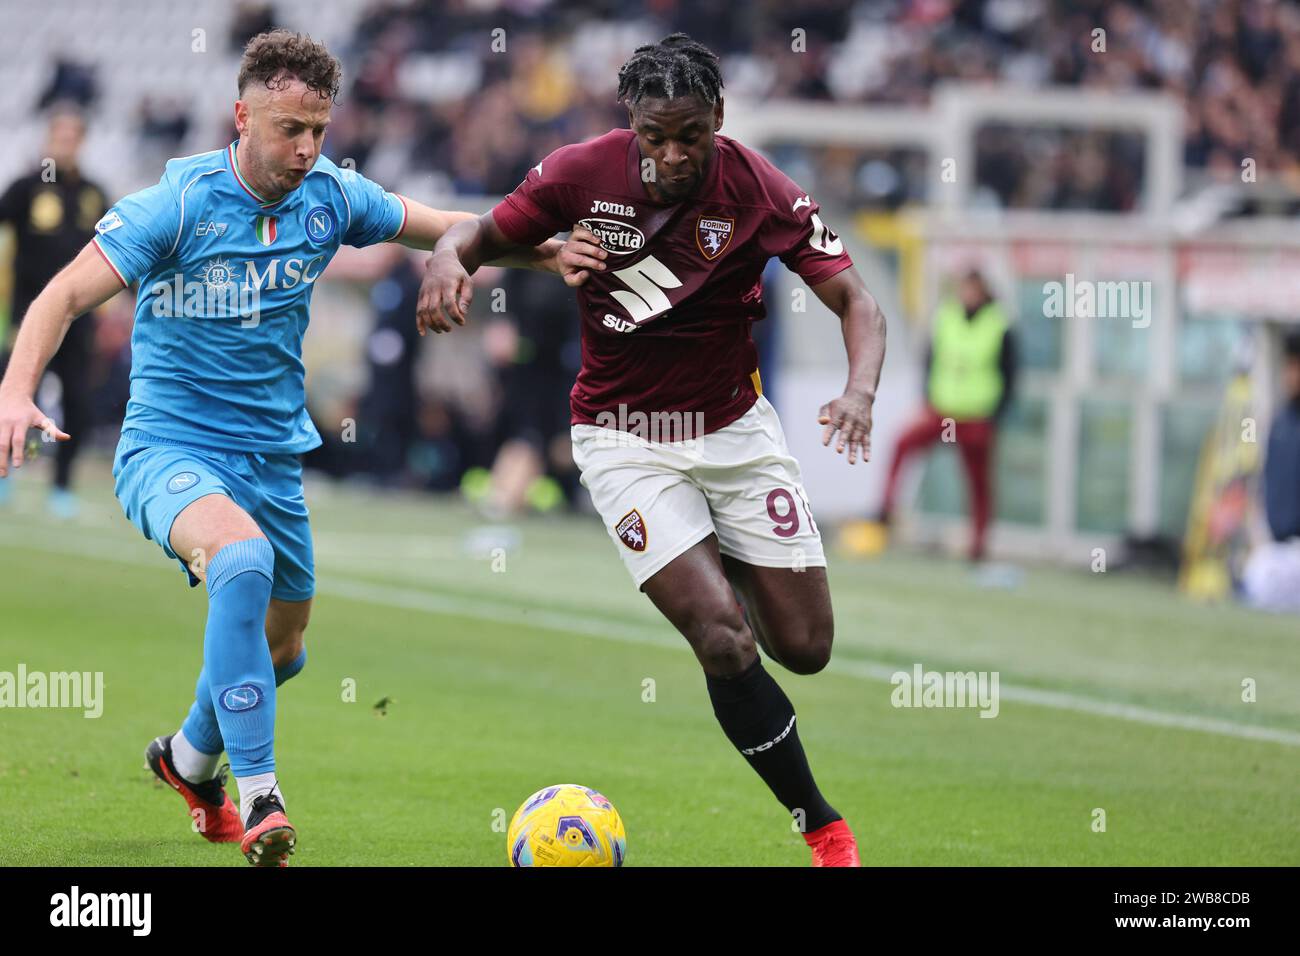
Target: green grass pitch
(1116, 694)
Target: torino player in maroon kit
(714, 510)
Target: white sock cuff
(192, 764)
(250, 788)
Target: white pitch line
(627, 632)
(661, 636)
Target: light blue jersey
(225, 291)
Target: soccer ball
(566, 825)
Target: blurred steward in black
(535, 346)
(383, 426)
(53, 211)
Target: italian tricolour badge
(265, 229)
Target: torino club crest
(631, 530)
(713, 235)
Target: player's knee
(287, 667)
(810, 652)
(287, 650)
(723, 642)
(286, 624)
(201, 556)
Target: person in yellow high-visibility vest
(970, 374)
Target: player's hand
(18, 414)
(850, 415)
(445, 294)
(580, 254)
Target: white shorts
(658, 499)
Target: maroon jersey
(665, 328)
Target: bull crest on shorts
(631, 530)
(713, 235)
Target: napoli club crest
(243, 697)
(320, 224)
(631, 530)
(713, 235)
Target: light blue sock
(201, 727)
(236, 660)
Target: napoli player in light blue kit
(226, 249)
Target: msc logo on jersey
(182, 481)
(631, 530)
(217, 274)
(618, 238)
(713, 235)
(320, 224)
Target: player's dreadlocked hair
(675, 66)
(276, 57)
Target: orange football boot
(216, 814)
(833, 845)
(269, 837)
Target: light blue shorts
(157, 478)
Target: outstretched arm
(863, 325)
(86, 282)
(425, 226)
(446, 292)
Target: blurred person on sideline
(970, 371)
(534, 348)
(53, 210)
(1271, 579)
(387, 411)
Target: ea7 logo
(209, 227)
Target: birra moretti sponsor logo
(618, 238)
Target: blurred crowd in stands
(446, 97)
(428, 93)
(434, 92)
